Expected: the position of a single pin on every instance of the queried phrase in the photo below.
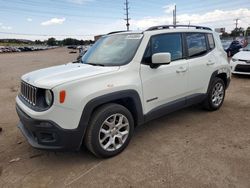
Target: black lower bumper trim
(42, 134)
(242, 68)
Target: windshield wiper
(95, 64)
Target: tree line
(236, 32)
(50, 42)
(66, 42)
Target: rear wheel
(215, 95)
(110, 130)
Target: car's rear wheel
(215, 95)
(110, 130)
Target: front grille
(28, 93)
(242, 68)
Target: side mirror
(161, 58)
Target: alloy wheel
(114, 132)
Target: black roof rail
(114, 32)
(159, 27)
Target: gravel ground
(188, 148)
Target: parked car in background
(226, 44)
(240, 62)
(82, 51)
(10, 49)
(74, 47)
(234, 48)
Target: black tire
(92, 137)
(208, 102)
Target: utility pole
(174, 16)
(236, 23)
(127, 14)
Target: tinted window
(167, 43)
(211, 41)
(196, 43)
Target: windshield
(113, 50)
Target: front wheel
(215, 95)
(110, 130)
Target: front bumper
(240, 67)
(42, 134)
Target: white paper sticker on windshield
(134, 36)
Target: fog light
(45, 124)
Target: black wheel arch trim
(109, 98)
(216, 74)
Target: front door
(165, 84)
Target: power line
(63, 5)
(53, 13)
(46, 35)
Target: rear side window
(171, 43)
(210, 41)
(196, 43)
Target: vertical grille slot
(28, 93)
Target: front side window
(196, 43)
(171, 43)
(113, 50)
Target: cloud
(169, 8)
(80, 1)
(29, 19)
(53, 21)
(213, 19)
(5, 27)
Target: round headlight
(48, 97)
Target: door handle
(181, 70)
(210, 62)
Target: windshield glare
(113, 50)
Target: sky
(83, 19)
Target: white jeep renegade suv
(124, 80)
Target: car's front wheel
(110, 130)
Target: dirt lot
(189, 148)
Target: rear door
(201, 60)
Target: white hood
(243, 55)
(50, 77)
